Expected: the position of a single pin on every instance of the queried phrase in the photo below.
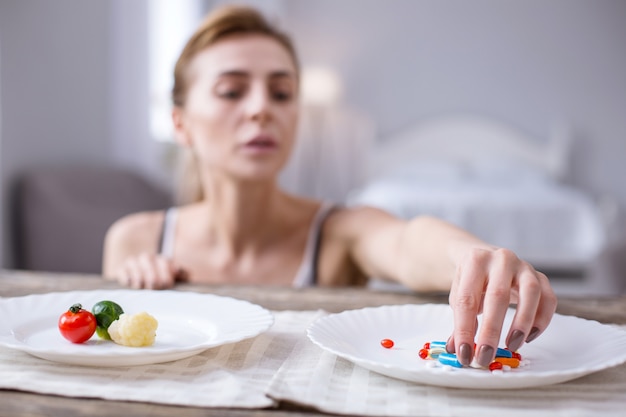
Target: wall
(130, 142)
(53, 87)
(528, 63)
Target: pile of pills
(505, 360)
(435, 351)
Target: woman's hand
(149, 271)
(487, 281)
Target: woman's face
(241, 111)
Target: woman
(236, 108)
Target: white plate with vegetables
(188, 323)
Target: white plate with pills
(556, 356)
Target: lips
(261, 142)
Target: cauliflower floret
(134, 330)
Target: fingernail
(465, 354)
(515, 340)
(485, 355)
(534, 332)
(450, 345)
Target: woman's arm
(427, 254)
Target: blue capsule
(449, 359)
(503, 353)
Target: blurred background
(505, 117)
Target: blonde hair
(222, 22)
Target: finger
(450, 346)
(148, 271)
(527, 304)
(165, 273)
(466, 305)
(495, 305)
(134, 274)
(545, 309)
(123, 276)
(450, 343)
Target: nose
(258, 105)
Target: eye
(281, 96)
(230, 90)
(281, 91)
(230, 94)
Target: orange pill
(512, 362)
(387, 343)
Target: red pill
(426, 345)
(387, 343)
(495, 366)
(516, 355)
(423, 353)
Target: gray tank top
(307, 272)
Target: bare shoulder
(130, 236)
(359, 242)
(137, 229)
(351, 238)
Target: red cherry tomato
(77, 325)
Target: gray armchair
(61, 215)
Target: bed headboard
(469, 140)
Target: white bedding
(491, 180)
(550, 225)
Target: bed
(497, 182)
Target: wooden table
(15, 283)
